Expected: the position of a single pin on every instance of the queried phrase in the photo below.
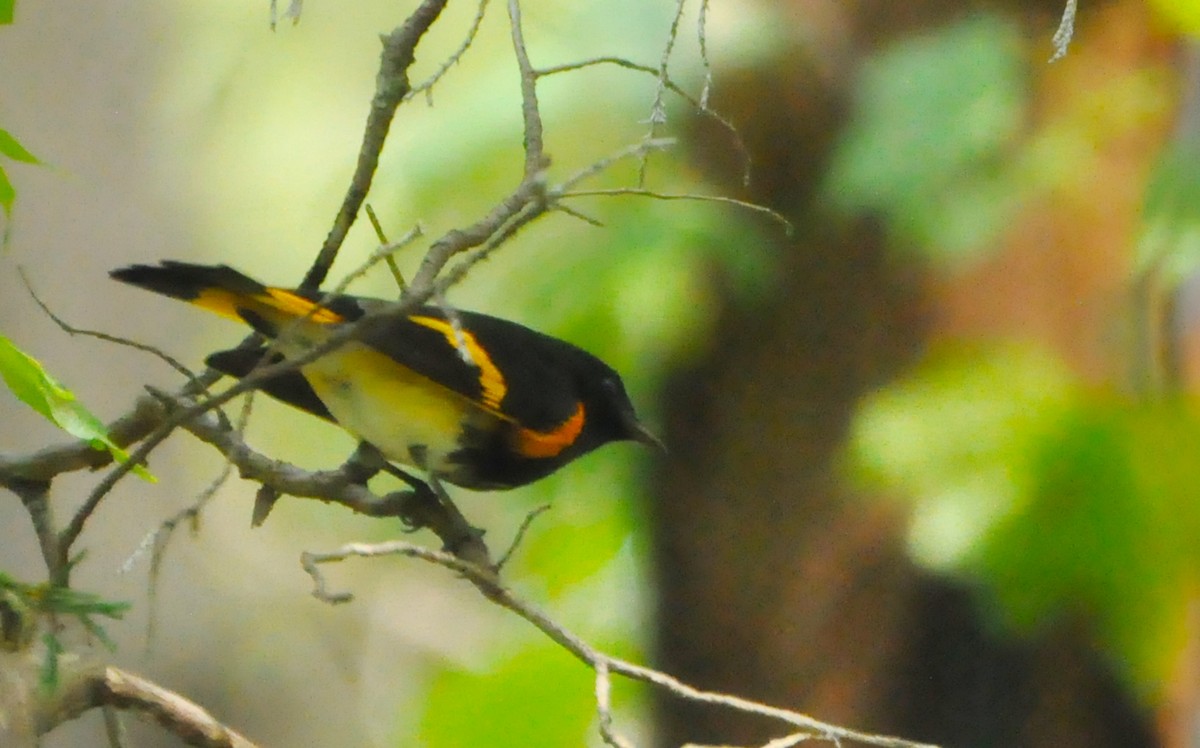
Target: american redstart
(478, 401)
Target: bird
(477, 401)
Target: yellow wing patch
(491, 381)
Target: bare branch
(35, 496)
(92, 687)
(604, 708)
(485, 579)
(755, 207)
(701, 104)
(658, 110)
(460, 240)
(426, 86)
(1065, 32)
(535, 159)
(72, 330)
(391, 86)
(520, 536)
(48, 462)
(702, 37)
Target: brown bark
(774, 581)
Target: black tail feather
(183, 280)
(291, 388)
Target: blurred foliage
(6, 11)
(931, 146)
(21, 603)
(33, 385)
(1168, 246)
(1062, 499)
(531, 698)
(941, 145)
(1178, 16)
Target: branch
(535, 158)
(427, 85)
(658, 110)
(418, 508)
(1066, 30)
(701, 104)
(788, 228)
(46, 463)
(94, 687)
(391, 87)
(485, 579)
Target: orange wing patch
(227, 304)
(298, 306)
(491, 381)
(530, 443)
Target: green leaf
(6, 11)
(48, 681)
(8, 193)
(34, 386)
(11, 147)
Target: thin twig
(604, 716)
(426, 86)
(63, 325)
(702, 37)
(658, 110)
(113, 729)
(700, 105)
(35, 496)
(520, 536)
(489, 584)
(1065, 32)
(579, 214)
(383, 241)
(391, 86)
(460, 240)
(535, 210)
(535, 159)
(787, 225)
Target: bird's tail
(225, 291)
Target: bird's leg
(364, 464)
(429, 506)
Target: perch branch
(485, 579)
(96, 687)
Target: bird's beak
(639, 433)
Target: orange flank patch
(530, 443)
(491, 381)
